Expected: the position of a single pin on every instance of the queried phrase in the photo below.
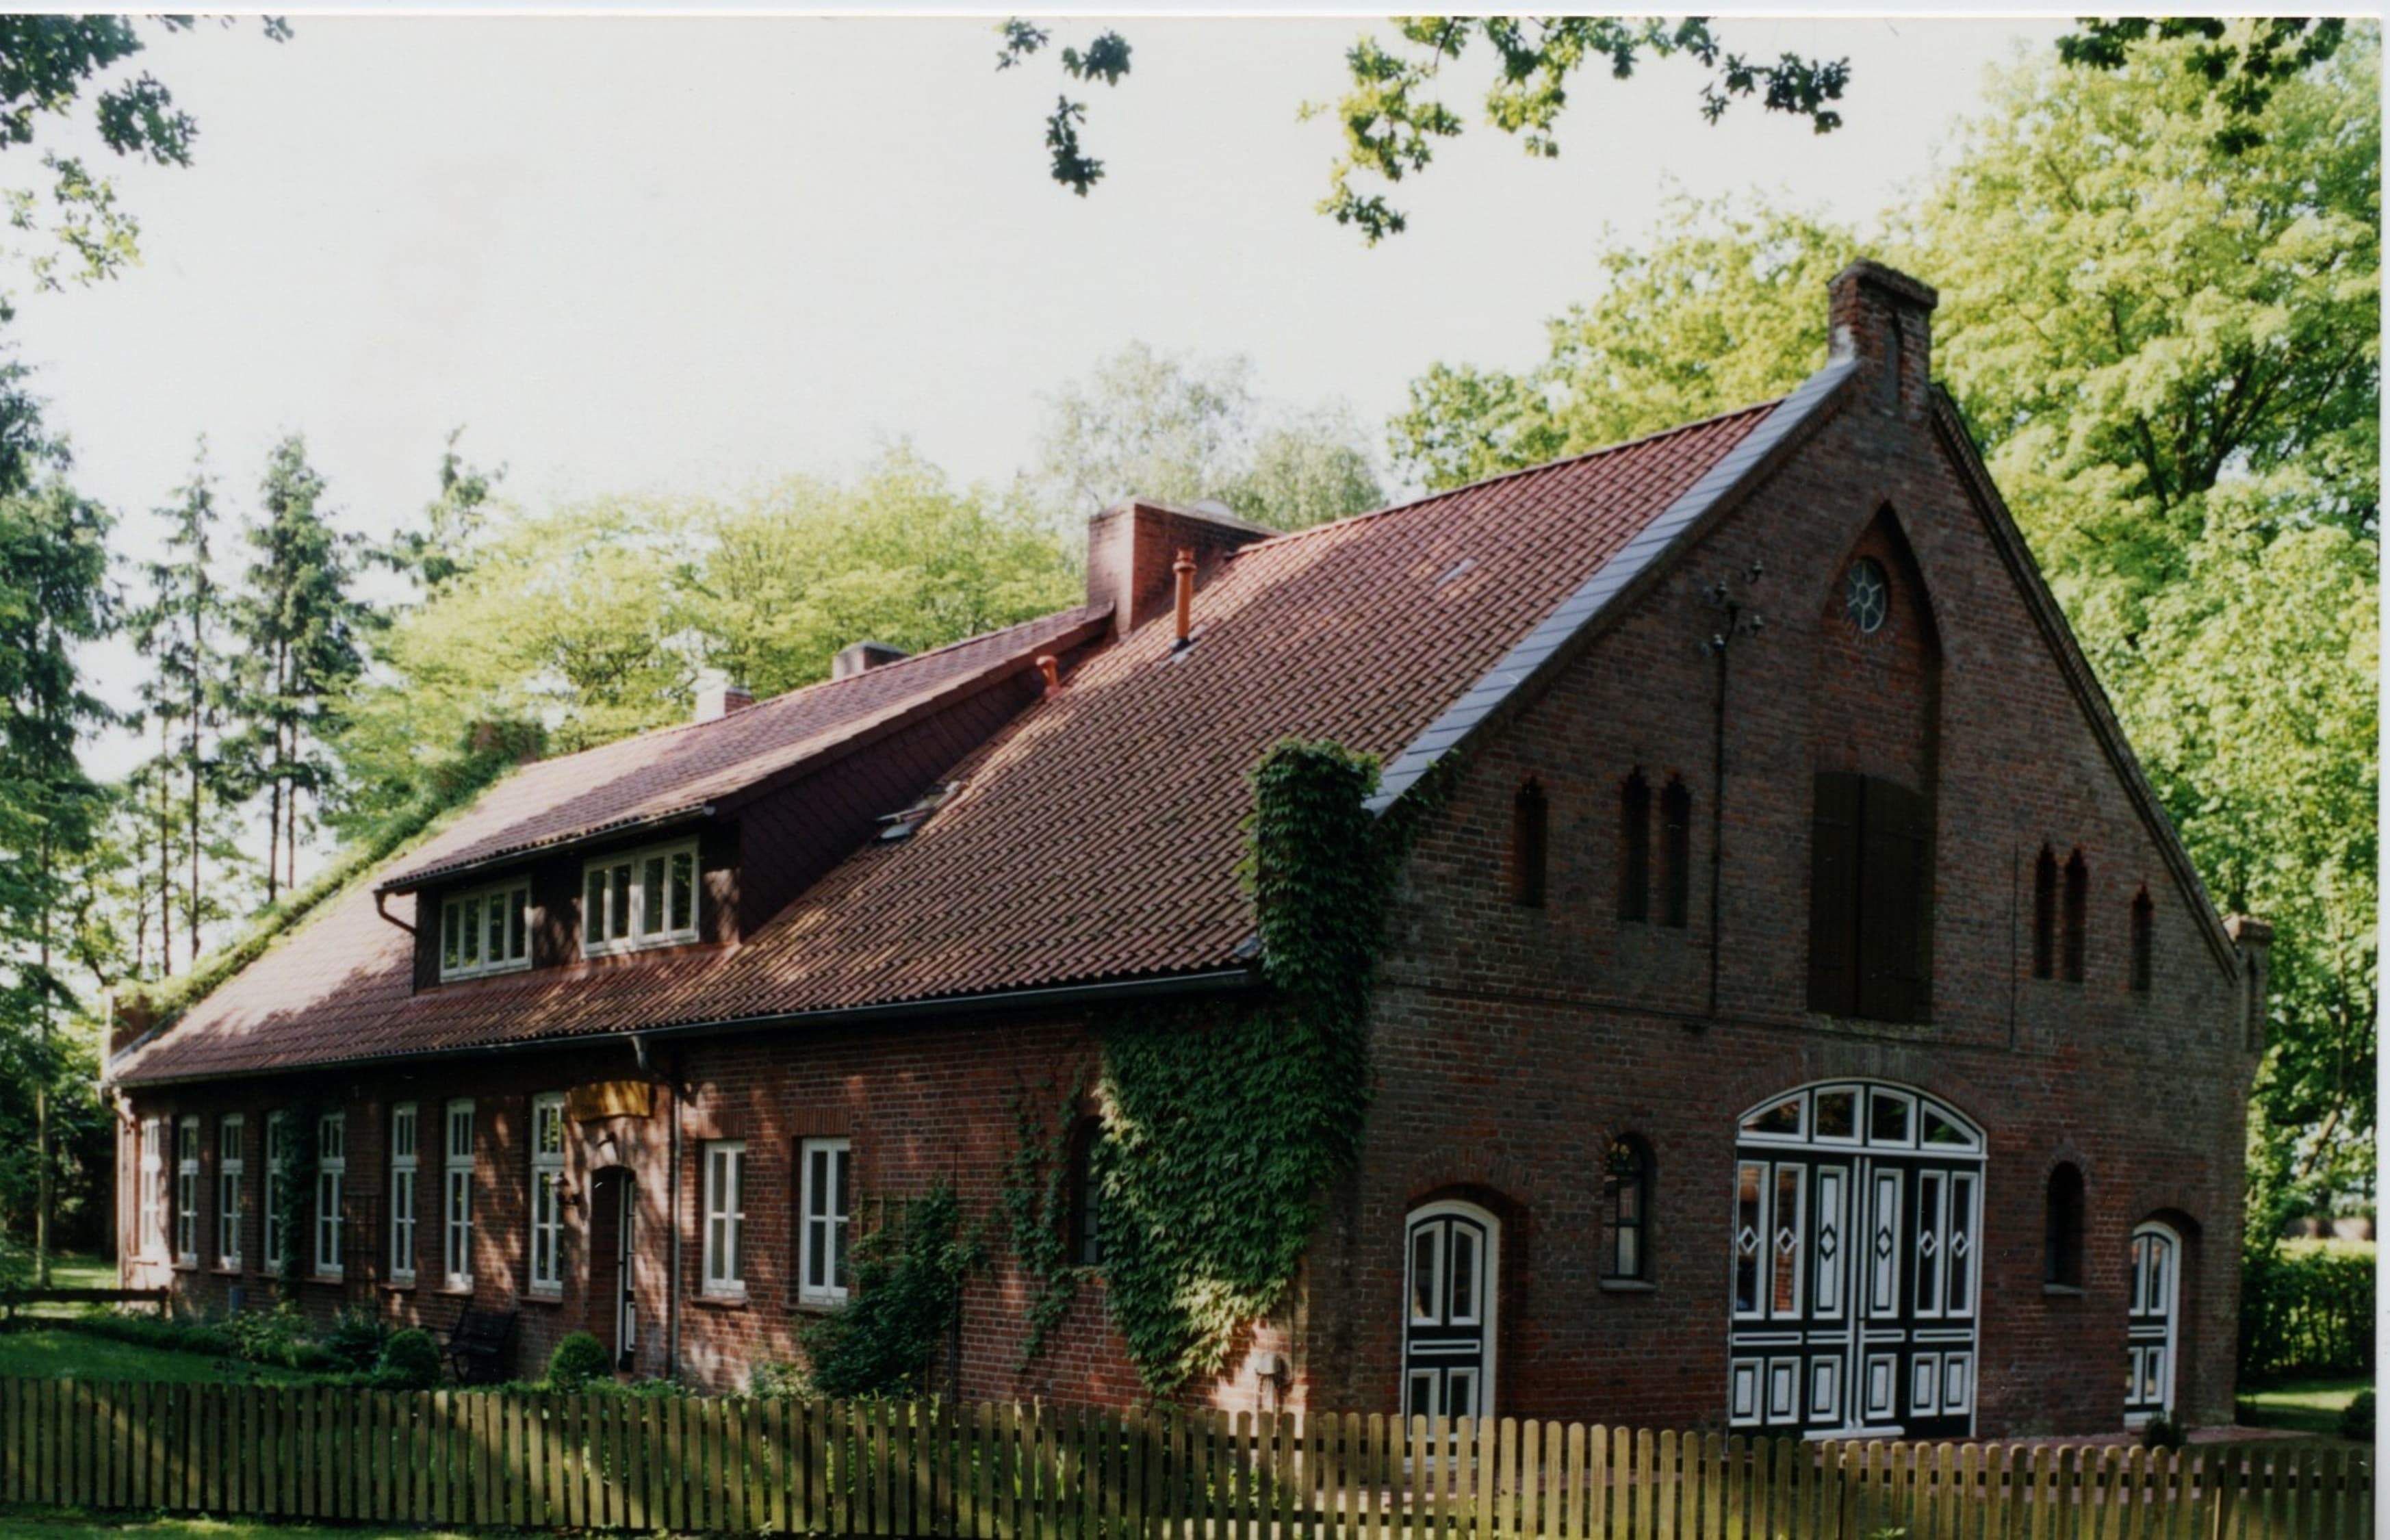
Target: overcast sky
(647, 254)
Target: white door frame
(2166, 1338)
(1489, 1272)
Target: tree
(1721, 308)
(299, 627)
(1392, 122)
(1179, 429)
(2239, 67)
(47, 64)
(452, 521)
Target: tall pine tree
(180, 631)
(299, 627)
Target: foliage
(2164, 1432)
(1036, 1199)
(2357, 1422)
(1105, 58)
(578, 1360)
(270, 1336)
(908, 1298)
(2306, 1312)
(2239, 71)
(1721, 307)
(1180, 429)
(167, 1333)
(295, 1176)
(356, 1337)
(410, 1360)
(1221, 1127)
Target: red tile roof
(1096, 837)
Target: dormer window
(485, 930)
(640, 899)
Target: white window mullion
(640, 899)
(485, 930)
(404, 1161)
(152, 1241)
(547, 1193)
(726, 1217)
(825, 1203)
(331, 1192)
(186, 1192)
(456, 1175)
(231, 1165)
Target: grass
(2305, 1406)
(51, 1526)
(45, 1352)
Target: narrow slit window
(1675, 853)
(1530, 857)
(1626, 1197)
(1635, 849)
(2144, 923)
(2061, 1256)
(2079, 899)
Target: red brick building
(1797, 1014)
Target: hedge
(2306, 1312)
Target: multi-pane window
(726, 1217)
(277, 1152)
(151, 1242)
(457, 1227)
(331, 1185)
(403, 1158)
(548, 1192)
(186, 1192)
(230, 1166)
(1086, 1237)
(644, 898)
(824, 1204)
(1626, 1193)
(485, 930)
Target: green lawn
(45, 1352)
(54, 1527)
(2307, 1406)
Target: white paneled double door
(1858, 1225)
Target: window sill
(1629, 1286)
(398, 1286)
(549, 1297)
(222, 1271)
(191, 1267)
(815, 1304)
(455, 1290)
(719, 1301)
(2062, 1290)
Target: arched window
(2078, 897)
(2144, 914)
(1528, 847)
(2045, 914)
(1085, 1236)
(2062, 1250)
(1676, 852)
(1626, 1205)
(1635, 849)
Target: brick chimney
(1883, 319)
(859, 657)
(717, 700)
(1132, 546)
(2253, 939)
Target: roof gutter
(1217, 980)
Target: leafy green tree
(1721, 308)
(1181, 429)
(453, 522)
(299, 627)
(2239, 66)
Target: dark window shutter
(1833, 895)
(1892, 902)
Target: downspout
(672, 1303)
(1718, 820)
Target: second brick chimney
(1884, 317)
(1132, 545)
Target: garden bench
(476, 1345)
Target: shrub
(410, 1360)
(776, 1380)
(577, 1360)
(267, 1336)
(157, 1331)
(2306, 1311)
(2356, 1418)
(907, 1295)
(2163, 1432)
(356, 1337)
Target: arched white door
(1857, 1224)
(2150, 1323)
(1449, 1281)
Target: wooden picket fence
(1002, 1472)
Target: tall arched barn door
(1858, 1220)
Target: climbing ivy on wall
(1223, 1126)
(1036, 1194)
(295, 1204)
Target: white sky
(682, 254)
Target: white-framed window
(825, 1203)
(151, 1242)
(456, 1218)
(485, 929)
(547, 1193)
(403, 1160)
(726, 1217)
(641, 898)
(277, 1149)
(331, 1187)
(186, 1191)
(231, 1129)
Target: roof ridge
(1578, 458)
